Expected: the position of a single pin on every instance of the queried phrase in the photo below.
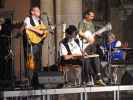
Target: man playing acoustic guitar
(35, 33)
(87, 36)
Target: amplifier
(49, 78)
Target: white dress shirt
(27, 23)
(73, 46)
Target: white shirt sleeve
(27, 22)
(63, 50)
(118, 44)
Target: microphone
(47, 17)
(44, 13)
(63, 27)
(48, 21)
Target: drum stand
(113, 68)
(109, 64)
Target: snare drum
(116, 56)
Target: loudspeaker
(51, 79)
(127, 78)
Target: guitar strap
(67, 47)
(32, 21)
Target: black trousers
(91, 66)
(37, 53)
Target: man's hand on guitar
(38, 31)
(37, 34)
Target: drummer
(113, 45)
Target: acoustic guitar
(89, 34)
(36, 38)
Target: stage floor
(118, 92)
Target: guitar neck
(107, 27)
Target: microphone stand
(109, 59)
(51, 29)
(46, 20)
(109, 62)
(83, 63)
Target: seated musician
(113, 46)
(69, 47)
(70, 52)
(114, 55)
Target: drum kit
(117, 53)
(114, 57)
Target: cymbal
(126, 49)
(120, 48)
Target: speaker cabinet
(127, 78)
(51, 79)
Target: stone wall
(20, 8)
